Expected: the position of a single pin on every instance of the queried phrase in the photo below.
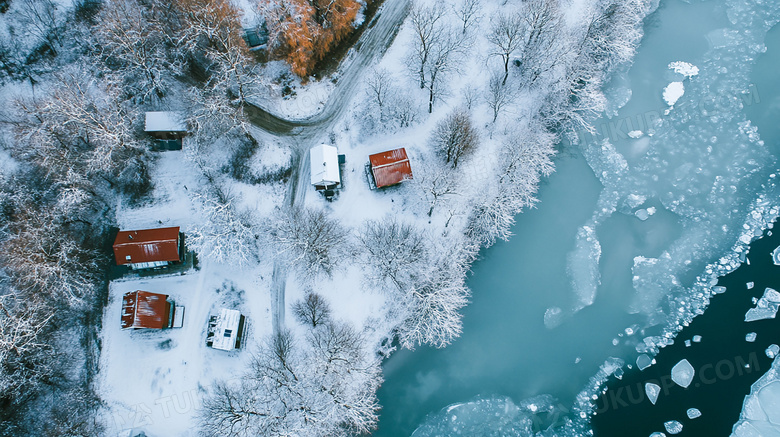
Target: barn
(147, 248)
(390, 167)
(146, 310)
(167, 128)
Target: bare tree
(212, 29)
(310, 240)
(378, 88)
(313, 310)
(395, 251)
(435, 182)
(443, 59)
(389, 106)
(133, 43)
(231, 410)
(337, 346)
(39, 18)
(455, 137)
(524, 159)
(434, 317)
(468, 11)
(21, 325)
(426, 22)
(43, 258)
(506, 35)
(542, 27)
(498, 96)
(321, 387)
(470, 96)
(229, 234)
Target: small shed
(147, 248)
(390, 167)
(168, 128)
(325, 173)
(226, 330)
(256, 37)
(146, 310)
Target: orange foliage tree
(303, 32)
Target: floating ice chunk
(684, 68)
(776, 256)
(652, 390)
(750, 337)
(693, 413)
(615, 342)
(772, 351)
(634, 200)
(766, 307)
(750, 285)
(644, 361)
(682, 373)
(657, 434)
(583, 266)
(553, 317)
(673, 427)
(642, 214)
(577, 360)
(687, 343)
(718, 289)
(673, 92)
(635, 134)
(769, 398)
(697, 339)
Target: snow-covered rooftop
(226, 330)
(324, 165)
(164, 121)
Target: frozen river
(627, 240)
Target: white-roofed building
(168, 128)
(325, 173)
(226, 330)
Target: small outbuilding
(325, 173)
(390, 167)
(167, 128)
(146, 310)
(148, 248)
(226, 330)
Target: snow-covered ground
(153, 381)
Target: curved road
(305, 133)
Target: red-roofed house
(147, 248)
(390, 167)
(145, 310)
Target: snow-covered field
(153, 381)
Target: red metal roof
(391, 167)
(142, 309)
(147, 245)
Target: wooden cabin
(146, 310)
(390, 168)
(167, 128)
(148, 248)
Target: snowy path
(305, 133)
